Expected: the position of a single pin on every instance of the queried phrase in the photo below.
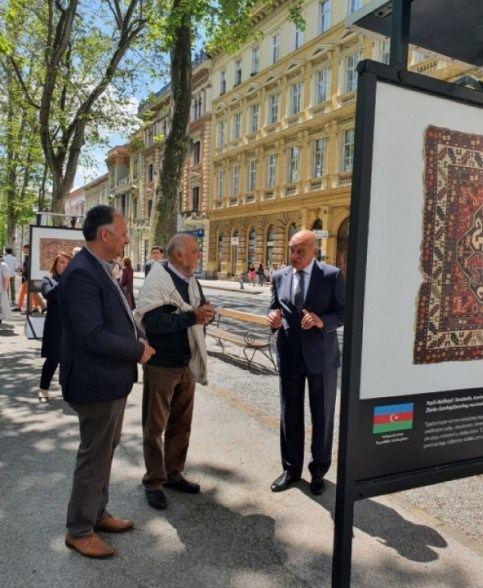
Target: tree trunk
(165, 210)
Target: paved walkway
(236, 533)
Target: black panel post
(400, 25)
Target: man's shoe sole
(106, 556)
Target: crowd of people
(98, 334)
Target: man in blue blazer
(100, 349)
(307, 307)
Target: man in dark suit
(307, 307)
(97, 371)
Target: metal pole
(400, 26)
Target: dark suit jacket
(99, 346)
(318, 348)
(53, 326)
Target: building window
(150, 208)
(319, 157)
(238, 72)
(252, 247)
(252, 175)
(273, 102)
(197, 107)
(220, 134)
(255, 60)
(350, 79)
(299, 38)
(271, 170)
(295, 98)
(196, 152)
(293, 164)
(270, 245)
(321, 85)
(354, 5)
(222, 82)
(253, 126)
(324, 16)
(275, 47)
(195, 199)
(348, 150)
(384, 51)
(236, 126)
(235, 180)
(150, 172)
(220, 184)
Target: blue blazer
(100, 346)
(318, 348)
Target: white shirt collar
(307, 269)
(178, 273)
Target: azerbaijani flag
(394, 417)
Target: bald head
(183, 253)
(303, 248)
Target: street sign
(197, 233)
(320, 234)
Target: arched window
(234, 250)
(290, 233)
(251, 247)
(270, 246)
(342, 246)
(220, 251)
(316, 227)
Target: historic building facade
(283, 135)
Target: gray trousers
(100, 427)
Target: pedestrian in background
(261, 274)
(127, 282)
(51, 338)
(13, 267)
(252, 275)
(4, 284)
(157, 254)
(36, 304)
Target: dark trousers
(48, 371)
(100, 427)
(12, 289)
(322, 392)
(168, 399)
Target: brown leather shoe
(90, 546)
(110, 524)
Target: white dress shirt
(296, 278)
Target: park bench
(251, 342)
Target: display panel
(46, 243)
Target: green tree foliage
(175, 27)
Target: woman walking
(53, 326)
(127, 282)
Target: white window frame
(271, 170)
(238, 72)
(235, 180)
(236, 126)
(254, 118)
(354, 5)
(276, 47)
(385, 51)
(296, 98)
(273, 110)
(220, 134)
(320, 149)
(350, 71)
(222, 81)
(251, 175)
(255, 64)
(321, 81)
(348, 150)
(220, 184)
(293, 164)
(324, 16)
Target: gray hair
(177, 243)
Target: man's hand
(310, 319)
(274, 318)
(204, 313)
(147, 353)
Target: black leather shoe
(183, 485)
(317, 486)
(283, 482)
(156, 499)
